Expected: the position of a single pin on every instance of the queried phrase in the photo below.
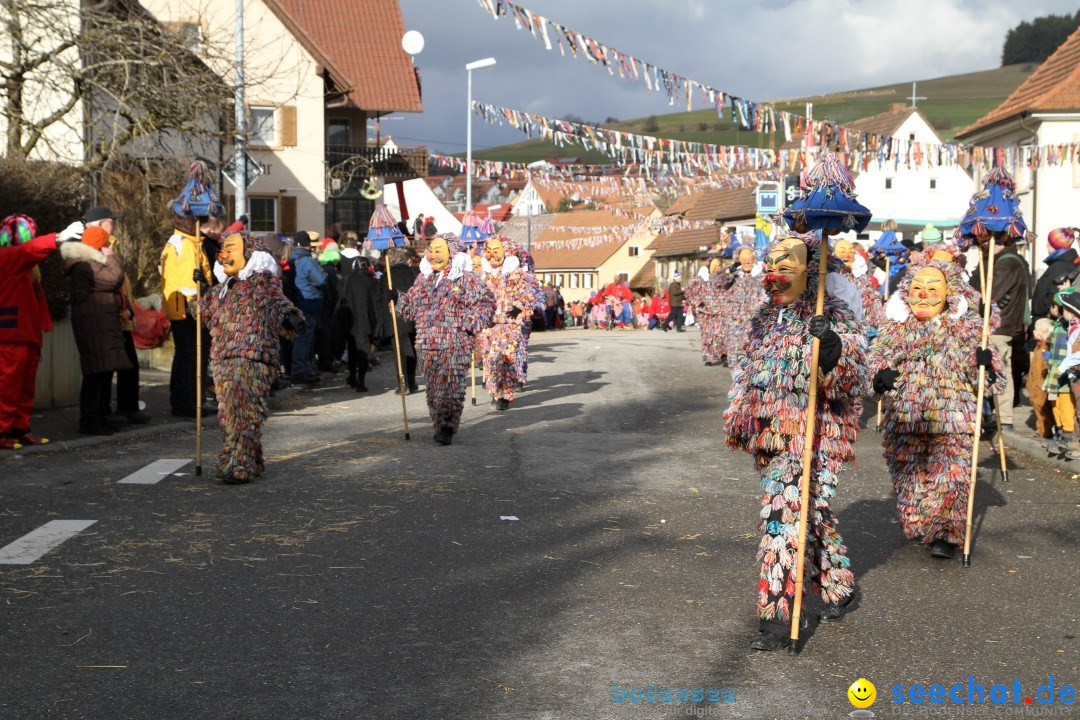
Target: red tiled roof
(721, 204)
(500, 214)
(685, 242)
(1055, 85)
(580, 258)
(360, 45)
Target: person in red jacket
(24, 316)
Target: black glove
(885, 380)
(984, 359)
(830, 347)
(200, 277)
(514, 313)
(1066, 377)
(295, 322)
(734, 268)
(878, 261)
(394, 295)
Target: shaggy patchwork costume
(703, 298)
(928, 419)
(767, 419)
(450, 309)
(739, 301)
(245, 315)
(505, 345)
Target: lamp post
(469, 67)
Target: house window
(559, 280)
(262, 211)
(191, 36)
(575, 279)
(888, 183)
(635, 250)
(263, 128)
(911, 137)
(587, 277)
(338, 132)
(933, 183)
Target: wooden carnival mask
(495, 252)
(714, 266)
(746, 259)
(845, 250)
(438, 254)
(231, 255)
(928, 293)
(785, 279)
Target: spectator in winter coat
(127, 381)
(97, 275)
(1010, 295)
(676, 298)
(310, 282)
(1062, 267)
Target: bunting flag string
(763, 117)
(690, 157)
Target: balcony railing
(392, 165)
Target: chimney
(897, 107)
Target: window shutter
(288, 214)
(287, 113)
(230, 209)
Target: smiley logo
(862, 693)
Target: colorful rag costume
(245, 314)
(767, 419)
(504, 344)
(928, 418)
(740, 296)
(450, 309)
(703, 297)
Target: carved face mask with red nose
(785, 277)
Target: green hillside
(952, 103)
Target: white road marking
(36, 543)
(155, 471)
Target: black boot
(834, 612)
(768, 641)
(445, 436)
(943, 549)
(351, 380)
(503, 404)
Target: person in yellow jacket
(183, 266)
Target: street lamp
(469, 67)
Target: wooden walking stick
(885, 298)
(472, 374)
(808, 448)
(397, 346)
(198, 353)
(997, 408)
(988, 290)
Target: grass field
(952, 103)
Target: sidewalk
(61, 425)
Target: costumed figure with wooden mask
(703, 299)
(504, 344)
(767, 419)
(796, 400)
(741, 296)
(245, 315)
(450, 307)
(858, 270)
(925, 363)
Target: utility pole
(241, 117)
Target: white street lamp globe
(412, 42)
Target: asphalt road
(369, 577)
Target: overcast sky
(757, 50)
